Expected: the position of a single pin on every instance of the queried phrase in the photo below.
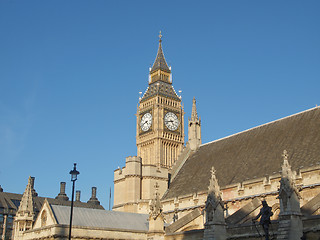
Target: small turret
(194, 128)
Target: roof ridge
(262, 125)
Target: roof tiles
(251, 154)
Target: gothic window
(44, 218)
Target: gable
(45, 217)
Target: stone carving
(26, 208)
(24, 218)
(215, 226)
(155, 204)
(290, 223)
(288, 193)
(156, 219)
(265, 214)
(214, 196)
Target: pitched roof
(9, 202)
(251, 154)
(160, 88)
(160, 62)
(97, 218)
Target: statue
(265, 213)
(175, 215)
(155, 205)
(156, 218)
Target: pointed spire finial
(286, 168)
(26, 204)
(285, 155)
(214, 187)
(213, 172)
(30, 180)
(194, 114)
(160, 62)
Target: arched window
(44, 218)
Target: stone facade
(159, 139)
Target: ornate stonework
(290, 224)
(25, 215)
(215, 226)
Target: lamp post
(74, 173)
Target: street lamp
(74, 173)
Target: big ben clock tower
(159, 138)
(160, 131)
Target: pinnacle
(194, 114)
(26, 204)
(160, 62)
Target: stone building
(248, 164)
(88, 223)
(18, 212)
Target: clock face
(146, 122)
(171, 121)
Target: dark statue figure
(175, 215)
(265, 213)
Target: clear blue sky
(71, 73)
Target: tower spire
(194, 128)
(160, 62)
(25, 215)
(194, 114)
(26, 205)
